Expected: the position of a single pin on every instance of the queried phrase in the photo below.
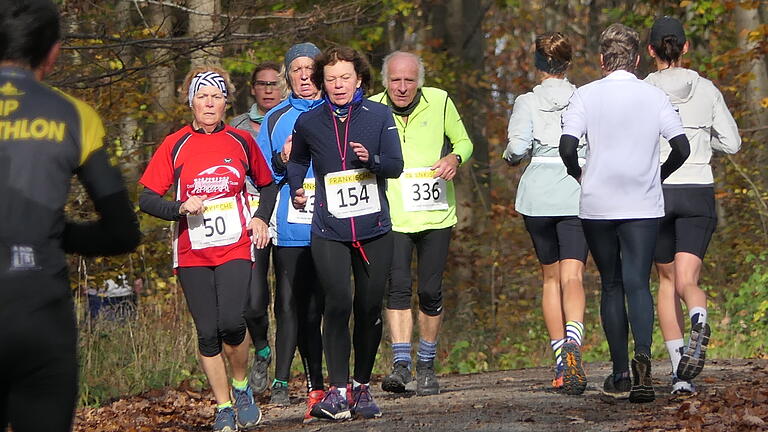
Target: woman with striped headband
(206, 163)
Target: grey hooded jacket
(545, 188)
(707, 122)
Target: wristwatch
(458, 157)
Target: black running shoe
(617, 386)
(396, 381)
(642, 387)
(574, 378)
(426, 380)
(692, 362)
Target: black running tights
(333, 260)
(256, 311)
(623, 252)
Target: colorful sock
(343, 391)
(673, 348)
(574, 330)
(557, 346)
(264, 352)
(698, 315)
(279, 383)
(227, 404)
(240, 385)
(401, 352)
(427, 350)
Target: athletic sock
(401, 352)
(698, 315)
(240, 385)
(574, 330)
(673, 348)
(281, 382)
(264, 352)
(356, 384)
(343, 391)
(557, 347)
(427, 350)
(227, 404)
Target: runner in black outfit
(47, 136)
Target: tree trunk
(161, 77)
(204, 25)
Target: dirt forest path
(733, 396)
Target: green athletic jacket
(434, 130)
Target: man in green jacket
(423, 209)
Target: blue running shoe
(248, 413)
(332, 407)
(225, 420)
(364, 404)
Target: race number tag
(304, 216)
(352, 193)
(219, 225)
(421, 191)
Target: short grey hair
(620, 48)
(390, 56)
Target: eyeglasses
(265, 83)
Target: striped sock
(574, 330)
(427, 350)
(401, 352)
(557, 346)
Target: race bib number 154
(352, 193)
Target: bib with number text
(219, 225)
(421, 191)
(352, 193)
(304, 216)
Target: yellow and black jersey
(46, 136)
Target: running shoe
(682, 387)
(557, 381)
(332, 407)
(225, 420)
(617, 386)
(248, 413)
(574, 378)
(313, 398)
(259, 377)
(426, 380)
(280, 394)
(692, 362)
(642, 386)
(364, 404)
(396, 381)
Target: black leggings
(216, 299)
(431, 252)
(257, 308)
(298, 314)
(333, 260)
(623, 252)
(38, 359)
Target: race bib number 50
(219, 225)
(421, 191)
(352, 193)
(304, 216)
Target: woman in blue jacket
(354, 147)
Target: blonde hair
(184, 89)
(620, 48)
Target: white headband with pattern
(204, 79)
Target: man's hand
(259, 233)
(194, 205)
(299, 200)
(446, 167)
(285, 153)
(360, 151)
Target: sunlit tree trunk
(204, 25)
(161, 78)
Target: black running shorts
(556, 238)
(689, 220)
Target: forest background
(127, 59)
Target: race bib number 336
(421, 191)
(352, 193)
(219, 225)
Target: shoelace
(220, 414)
(363, 395)
(242, 397)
